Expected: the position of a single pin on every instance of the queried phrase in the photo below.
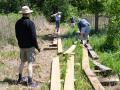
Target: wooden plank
(91, 76)
(50, 48)
(107, 81)
(69, 78)
(53, 45)
(70, 50)
(101, 67)
(55, 41)
(60, 50)
(55, 75)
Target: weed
(9, 54)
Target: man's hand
(38, 49)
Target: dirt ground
(41, 67)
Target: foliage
(113, 35)
(110, 59)
(96, 6)
(53, 6)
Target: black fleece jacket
(26, 33)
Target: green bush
(52, 6)
(113, 35)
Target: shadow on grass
(71, 34)
(12, 82)
(99, 32)
(48, 37)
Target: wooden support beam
(70, 50)
(55, 75)
(69, 78)
(50, 48)
(101, 67)
(60, 50)
(91, 76)
(102, 72)
(109, 81)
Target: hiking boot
(21, 79)
(81, 42)
(32, 84)
(87, 41)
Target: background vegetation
(103, 15)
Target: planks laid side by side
(60, 50)
(101, 67)
(55, 41)
(92, 52)
(55, 75)
(70, 50)
(69, 78)
(91, 76)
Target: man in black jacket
(27, 41)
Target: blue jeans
(57, 25)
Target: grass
(2, 65)
(9, 54)
(108, 58)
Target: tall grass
(7, 27)
(107, 57)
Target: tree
(81, 5)
(96, 7)
(52, 6)
(113, 35)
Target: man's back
(24, 32)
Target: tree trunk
(96, 21)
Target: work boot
(87, 41)
(20, 79)
(32, 84)
(81, 42)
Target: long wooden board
(69, 79)
(70, 50)
(91, 76)
(60, 50)
(55, 75)
(55, 41)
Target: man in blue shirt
(84, 28)
(57, 19)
